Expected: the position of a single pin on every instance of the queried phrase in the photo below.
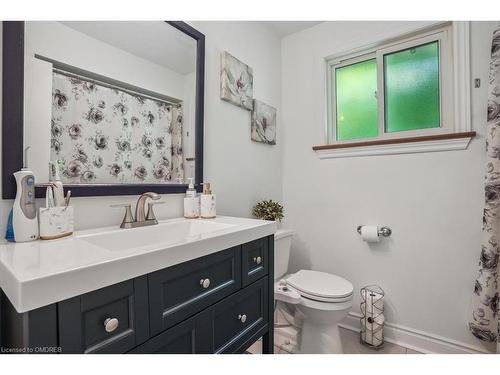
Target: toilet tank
(282, 247)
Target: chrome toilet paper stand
(373, 319)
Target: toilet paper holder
(383, 231)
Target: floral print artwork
(485, 321)
(104, 135)
(236, 81)
(263, 123)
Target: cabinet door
(255, 260)
(192, 336)
(239, 317)
(178, 292)
(109, 320)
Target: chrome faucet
(141, 205)
(142, 217)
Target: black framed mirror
(112, 104)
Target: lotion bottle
(191, 202)
(207, 202)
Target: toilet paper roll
(373, 324)
(373, 304)
(374, 337)
(369, 233)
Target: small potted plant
(268, 210)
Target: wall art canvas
(236, 81)
(263, 123)
(104, 135)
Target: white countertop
(36, 274)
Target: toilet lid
(320, 286)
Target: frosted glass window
(411, 80)
(356, 101)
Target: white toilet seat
(326, 306)
(321, 286)
(313, 297)
(318, 290)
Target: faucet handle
(151, 215)
(128, 218)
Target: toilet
(319, 300)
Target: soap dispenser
(191, 202)
(207, 202)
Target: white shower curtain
(485, 323)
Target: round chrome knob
(243, 318)
(110, 324)
(205, 283)
(257, 260)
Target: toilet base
(320, 339)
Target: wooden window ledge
(426, 143)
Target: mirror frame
(13, 120)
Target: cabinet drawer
(255, 262)
(181, 291)
(193, 336)
(109, 320)
(240, 316)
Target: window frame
(443, 35)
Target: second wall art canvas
(263, 123)
(236, 81)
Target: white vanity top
(36, 274)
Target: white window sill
(444, 142)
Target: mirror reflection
(110, 102)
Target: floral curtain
(105, 135)
(485, 322)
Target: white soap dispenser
(22, 225)
(207, 202)
(191, 202)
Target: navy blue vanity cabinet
(178, 292)
(219, 303)
(192, 336)
(109, 320)
(229, 326)
(255, 262)
(33, 331)
(243, 315)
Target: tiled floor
(350, 344)
(285, 339)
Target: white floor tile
(411, 351)
(352, 345)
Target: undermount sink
(168, 233)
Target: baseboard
(419, 341)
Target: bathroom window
(398, 90)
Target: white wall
(432, 201)
(242, 172)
